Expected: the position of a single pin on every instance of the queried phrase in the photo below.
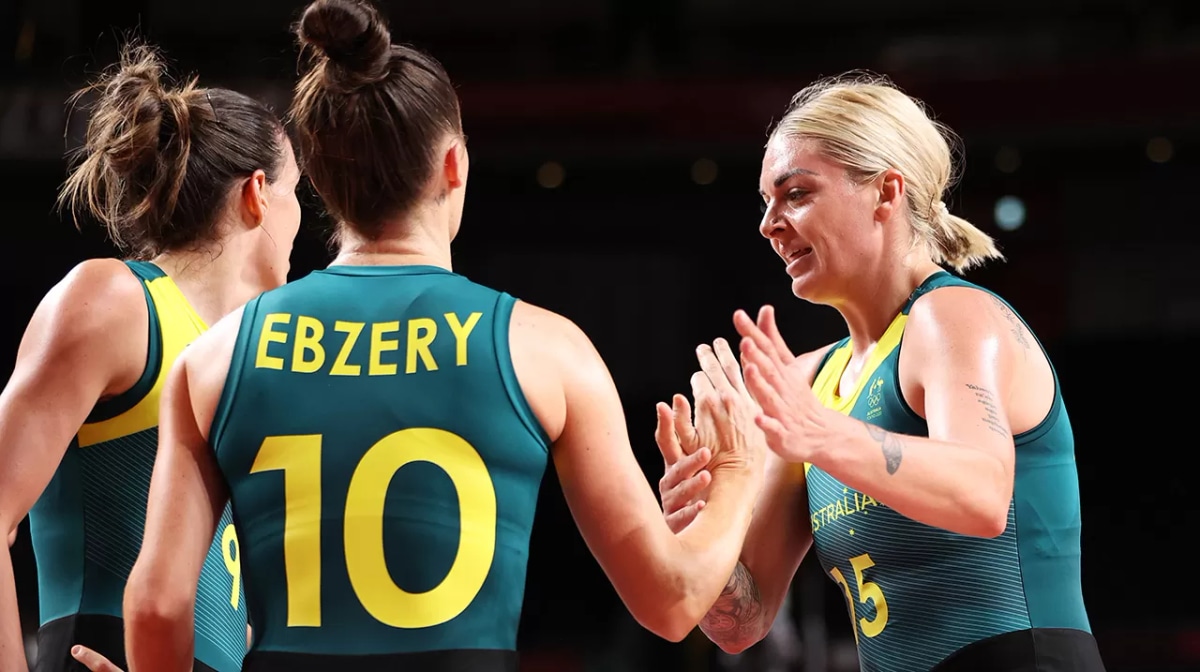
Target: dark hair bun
(352, 37)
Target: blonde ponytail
(955, 242)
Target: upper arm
(187, 491)
(958, 369)
(85, 341)
(572, 393)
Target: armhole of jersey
(237, 361)
(111, 408)
(1056, 403)
(821, 367)
(508, 375)
(829, 353)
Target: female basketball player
(382, 426)
(200, 183)
(938, 478)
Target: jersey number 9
(299, 457)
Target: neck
(414, 241)
(216, 281)
(869, 313)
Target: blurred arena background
(615, 153)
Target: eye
(796, 194)
(763, 207)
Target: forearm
(713, 542)
(948, 485)
(737, 619)
(12, 644)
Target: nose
(771, 223)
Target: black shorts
(458, 660)
(103, 634)
(1034, 650)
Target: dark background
(615, 151)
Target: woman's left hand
(793, 420)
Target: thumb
(92, 660)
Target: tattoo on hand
(1014, 323)
(738, 612)
(890, 444)
(991, 416)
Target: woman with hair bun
(382, 426)
(197, 187)
(928, 456)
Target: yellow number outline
(867, 591)
(299, 457)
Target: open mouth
(798, 253)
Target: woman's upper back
(369, 398)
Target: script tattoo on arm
(736, 617)
(1014, 324)
(991, 416)
(890, 444)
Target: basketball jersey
(384, 469)
(87, 526)
(918, 594)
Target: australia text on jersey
(313, 340)
(850, 503)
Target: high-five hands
(721, 436)
(792, 417)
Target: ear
(455, 164)
(890, 195)
(253, 201)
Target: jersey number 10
(299, 457)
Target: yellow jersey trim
(829, 378)
(179, 325)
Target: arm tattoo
(737, 615)
(991, 416)
(890, 444)
(1018, 329)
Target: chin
(808, 288)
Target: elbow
(737, 646)
(673, 623)
(992, 522)
(987, 516)
(151, 606)
(677, 631)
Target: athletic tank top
(384, 469)
(918, 594)
(87, 526)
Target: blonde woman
(928, 456)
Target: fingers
(94, 661)
(752, 334)
(665, 436)
(729, 364)
(776, 435)
(682, 518)
(766, 394)
(767, 324)
(712, 367)
(687, 467)
(684, 429)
